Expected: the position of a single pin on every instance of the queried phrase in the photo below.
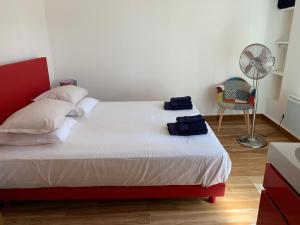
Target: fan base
(256, 142)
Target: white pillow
(84, 107)
(58, 136)
(68, 93)
(38, 117)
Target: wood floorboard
(238, 207)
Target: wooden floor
(238, 207)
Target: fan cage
(256, 61)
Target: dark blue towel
(168, 106)
(186, 129)
(183, 127)
(190, 119)
(178, 99)
(181, 103)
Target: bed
(122, 150)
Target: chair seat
(235, 106)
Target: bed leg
(6, 204)
(212, 199)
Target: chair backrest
(237, 83)
(236, 88)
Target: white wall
(291, 79)
(154, 49)
(279, 29)
(289, 83)
(23, 31)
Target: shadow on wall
(15, 60)
(149, 90)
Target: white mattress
(119, 144)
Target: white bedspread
(119, 144)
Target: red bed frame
(19, 84)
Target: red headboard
(20, 83)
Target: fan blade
(248, 68)
(260, 68)
(268, 67)
(248, 54)
(263, 55)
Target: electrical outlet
(282, 118)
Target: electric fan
(256, 62)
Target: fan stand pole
(254, 110)
(253, 140)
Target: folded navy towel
(186, 130)
(181, 103)
(190, 119)
(183, 127)
(178, 99)
(168, 106)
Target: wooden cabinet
(268, 213)
(280, 203)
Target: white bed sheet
(119, 144)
